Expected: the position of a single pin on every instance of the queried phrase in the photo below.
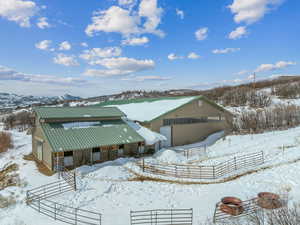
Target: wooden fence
(162, 217)
(203, 172)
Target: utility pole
(254, 80)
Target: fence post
(214, 172)
(54, 210)
(75, 185)
(235, 166)
(263, 157)
(39, 204)
(171, 216)
(27, 197)
(100, 219)
(75, 216)
(143, 161)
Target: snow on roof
(149, 110)
(150, 137)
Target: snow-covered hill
(10, 100)
(108, 188)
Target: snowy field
(106, 187)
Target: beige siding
(190, 133)
(38, 135)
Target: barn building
(182, 120)
(75, 136)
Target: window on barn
(121, 150)
(96, 154)
(169, 122)
(68, 158)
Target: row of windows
(169, 122)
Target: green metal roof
(105, 134)
(77, 112)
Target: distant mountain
(68, 97)
(12, 101)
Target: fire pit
(267, 200)
(232, 206)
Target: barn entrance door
(167, 132)
(40, 151)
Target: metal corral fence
(202, 151)
(69, 177)
(203, 172)
(48, 191)
(162, 217)
(65, 213)
(38, 199)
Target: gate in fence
(204, 172)
(69, 177)
(162, 217)
(38, 199)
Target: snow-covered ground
(108, 189)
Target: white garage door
(167, 132)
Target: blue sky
(97, 47)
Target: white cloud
(65, 60)
(135, 41)
(172, 57)
(128, 22)
(98, 53)
(201, 34)
(114, 19)
(43, 45)
(11, 74)
(276, 66)
(120, 66)
(18, 11)
(149, 10)
(250, 11)
(127, 3)
(65, 46)
(43, 23)
(84, 44)
(225, 50)
(193, 55)
(242, 72)
(238, 33)
(180, 13)
(146, 78)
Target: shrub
(273, 118)
(6, 141)
(22, 120)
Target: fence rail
(38, 199)
(65, 213)
(162, 217)
(204, 172)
